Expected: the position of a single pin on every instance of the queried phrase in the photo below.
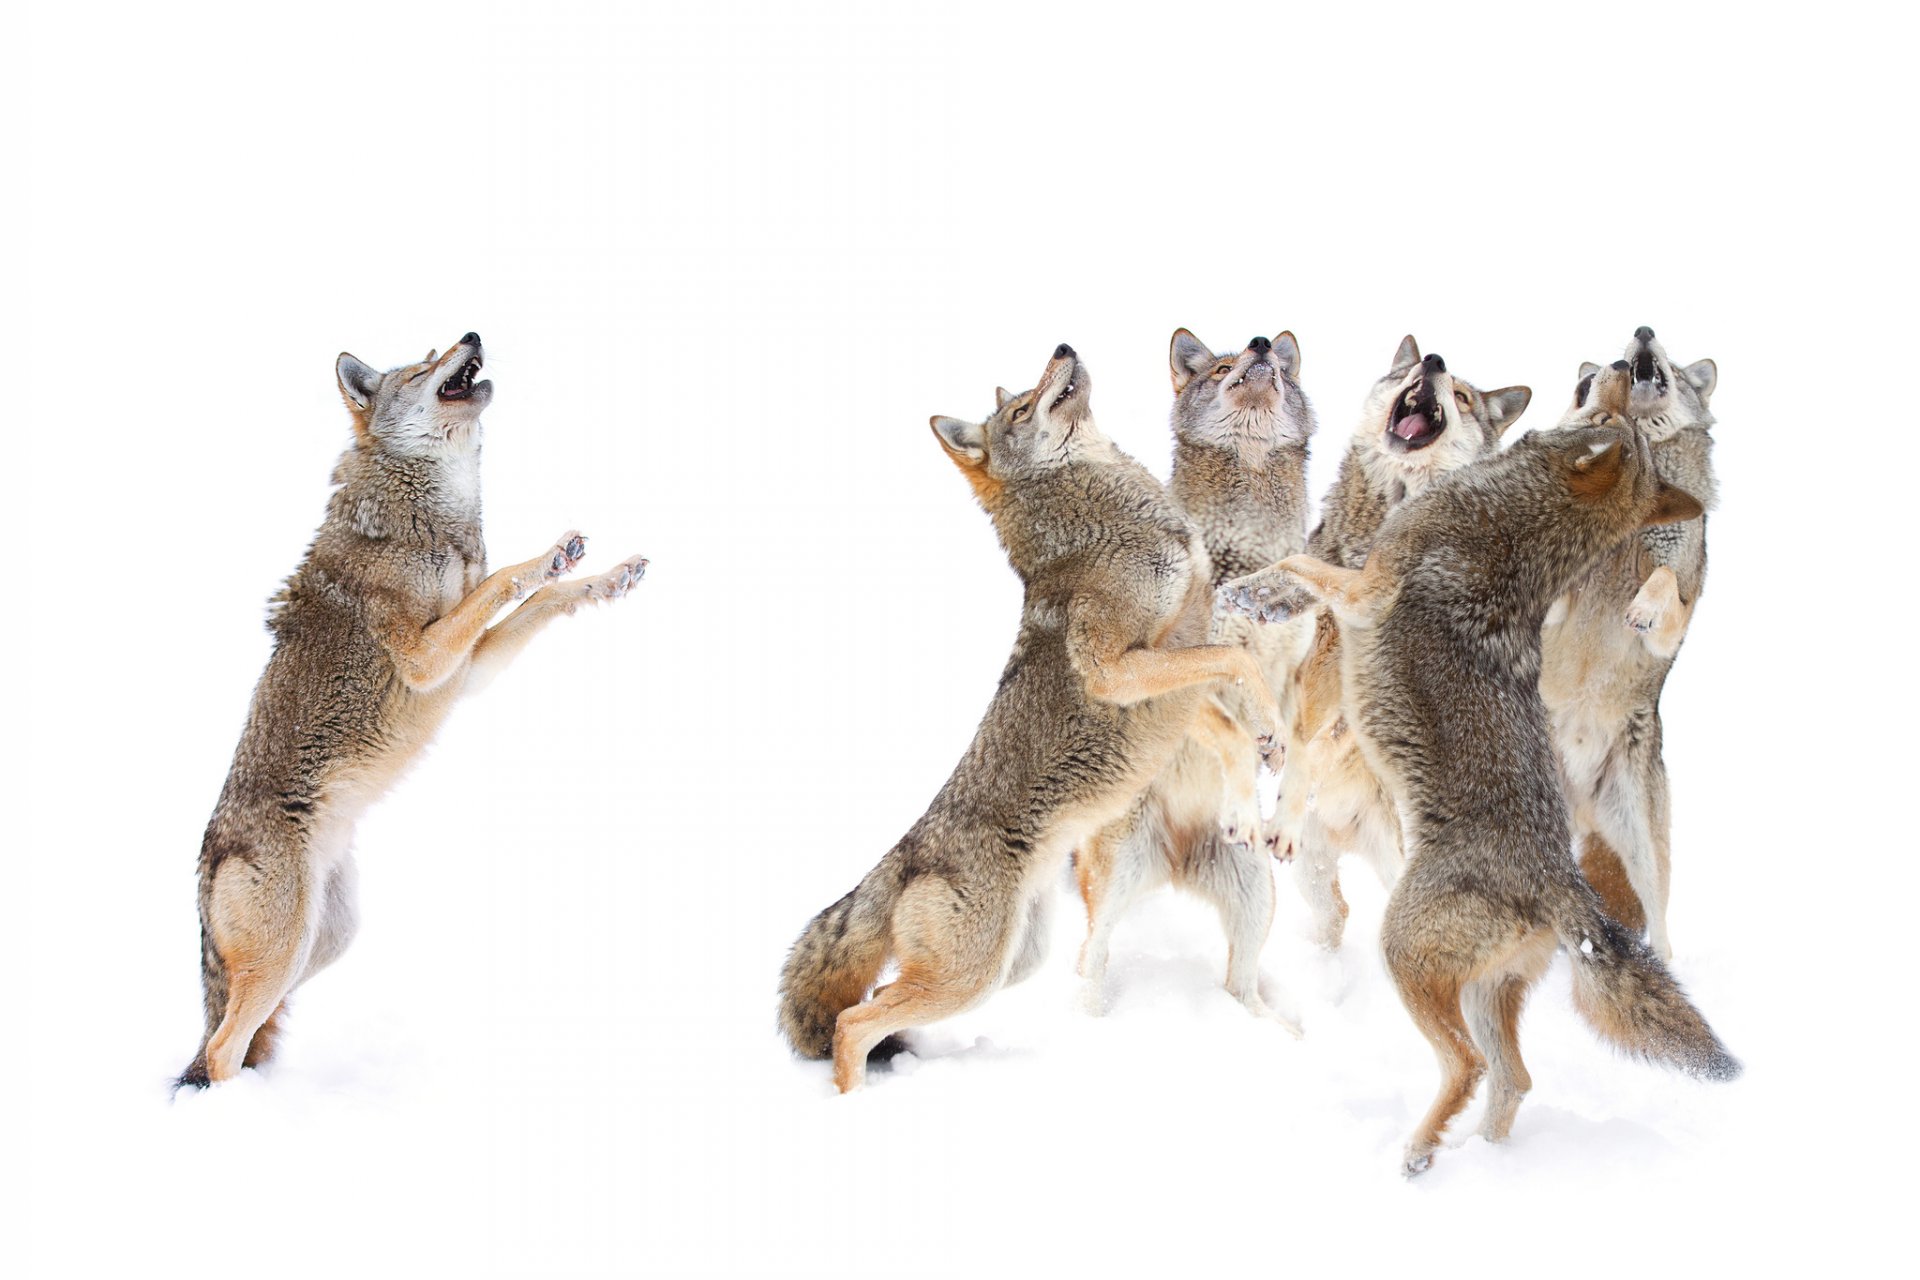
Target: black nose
(1063, 352)
(1643, 333)
(1261, 345)
(1434, 364)
(472, 339)
(1621, 365)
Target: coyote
(1105, 677)
(1440, 656)
(1420, 421)
(1240, 426)
(1611, 640)
(380, 629)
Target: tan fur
(1603, 870)
(1441, 655)
(1331, 804)
(1241, 427)
(1107, 674)
(1611, 640)
(378, 632)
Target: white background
(726, 261)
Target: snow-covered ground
(726, 262)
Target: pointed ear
(1187, 356)
(1587, 369)
(358, 382)
(1597, 469)
(1672, 506)
(1704, 376)
(1000, 397)
(1506, 405)
(965, 442)
(1286, 349)
(431, 356)
(1406, 357)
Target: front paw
(617, 581)
(1240, 830)
(557, 563)
(1271, 595)
(1264, 726)
(1656, 596)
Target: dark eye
(1221, 371)
(1466, 401)
(1022, 413)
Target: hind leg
(1033, 937)
(261, 1048)
(1316, 873)
(922, 993)
(1238, 880)
(1493, 1004)
(1114, 868)
(1428, 943)
(1633, 816)
(1434, 1001)
(260, 927)
(339, 920)
(339, 916)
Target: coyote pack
(1441, 659)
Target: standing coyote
(379, 630)
(1105, 678)
(1441, 659)
(1420, 422)
(1240, 427)
(1612, 639)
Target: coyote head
(1421, 421)
(1029, 434)
(1662, 400)
(428, 409)
(1250, 402)
(1603, 465)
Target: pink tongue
(1414, 424)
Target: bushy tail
(1627, 996)
(836, 960)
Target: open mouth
(461, 385)
(1649, 380)
(1260, 371)
(1076, 384)
(1416, 420)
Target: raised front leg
(1239, 821)
(502, 643)
(1270, 595)
(425, 656)
(1116, 672)
(1658, 615)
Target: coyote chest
(458, 576)
(1595, 675)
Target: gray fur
(366, 663)
(1442, 664)
(1329, 806)
(1241, 426)
(1116, 591)
(1614, 637)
